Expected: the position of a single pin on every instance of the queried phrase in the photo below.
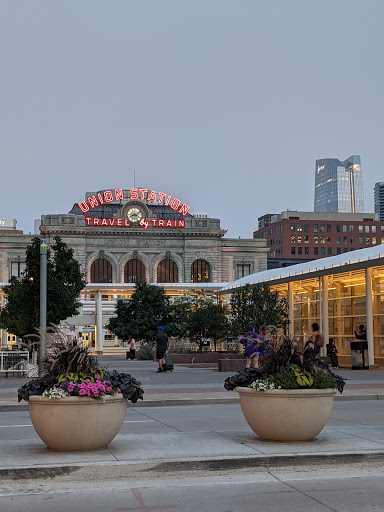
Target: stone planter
(286, 414)
(76, 423)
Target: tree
(139, 316)
(258, 306)
(21, 313)
(208, 321)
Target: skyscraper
(379, 200)
(339, 185)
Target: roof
(362, 258)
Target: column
(99, 324)
(369, 316)
(324, 326)
(291, 327)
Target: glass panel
(167, 272)
(134, 271)
(201, 270)
(101, 271)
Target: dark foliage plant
(288, 367)
(69, 361)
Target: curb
(152, 469)
(197, 401)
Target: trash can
(359, 355)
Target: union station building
(120, 236)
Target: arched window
(101, 271)
(200, 272)
(167, 272)
(134, 271)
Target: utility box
(359, 355)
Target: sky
(223, 104)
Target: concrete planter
(76, 423)
(286, 414)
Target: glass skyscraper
(379, 200)
(339, 185)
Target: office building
(295, 237)
(379, 200)
(339, 185)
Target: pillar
(99, 324)
(369, 316)
(291, 327)
(324, 326)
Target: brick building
(295, 237)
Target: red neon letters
(144, 223)
(141, 194)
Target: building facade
(339, 185)
(338, 293)
(294, 237)
(379, 200)
(121, 236)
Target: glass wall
(378, 310)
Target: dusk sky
(225, 105)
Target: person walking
(332, 353)
(161, 340)
(132, 348)
(251, 349)
(266, 343)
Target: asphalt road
(338, 490)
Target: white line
(14, 426)
(139, 421)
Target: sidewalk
(206, 432)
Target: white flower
(262, 385)
(55, 393)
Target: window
(351, 228)
(329, 239)
(382, 229)
(299, 239)
(299, 227)
(306, 227)
(322, 251)
(293, 250)
(315, 239)
(292, 227)
(345, 249)
(299, 250)
(293, 239)
(366, 229)
(361, 240)
(17, 268)
(338, 239)
(242, 270)
(373, 240)
(315, 228)
(134, 271)
(306, 239)
(345, 228)
(101, 271)
(316, 251)
(367, 240)
(322, 240)
(329, 228)
(351, 240)
(345, 240)
(338, 250)
(329, 251)
(201, 271)
(306, 250)
(322, 228)
(167, 272)
(373, 228)
(360, 229)
(338, 228)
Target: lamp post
(43, 297)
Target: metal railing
(14, 361)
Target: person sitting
(332, 353)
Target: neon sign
(142, 194)
(144, 223)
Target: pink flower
(82, 392)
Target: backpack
(319, 341)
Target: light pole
(43, 298)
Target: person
(362, 334)
(251, 348)
(132, 348)
(314, 343)
(266, 343)
(161, 340)
(332, 353)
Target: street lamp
(43, 297)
